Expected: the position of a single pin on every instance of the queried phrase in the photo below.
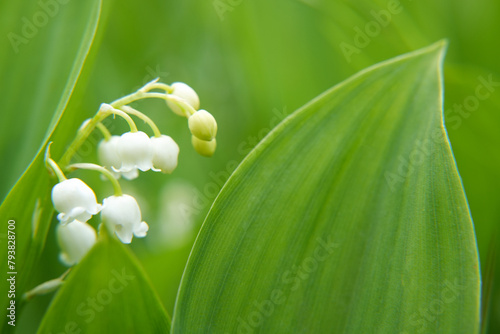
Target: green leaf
(106, 293)
(63, 44)
(45, 46)
(349, 217)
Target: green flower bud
(203, 125)
(203, 147)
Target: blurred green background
(252, 62)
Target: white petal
(107, 152)
(73, 197)
(124, 233)
(133, 174)
(122, 215)
(141, 230)
(135, 151)
(75, 240)
(166, 152)
(78, 213)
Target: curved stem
(53, 165)
(90, 125)
(85, 131)
(108, 110)
(158, 85)
(57, 170)
(104, 130)
(146, 119)
(103, 171)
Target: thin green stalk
(159, 85)
(53, 165)
(103, 171)
(146, 119)
(85, 132)
(104, 130)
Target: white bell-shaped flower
(122, 215)
(187, 94)
(203, 125)
(165, 154)
(74, 199)
(135, 152)
(107, 151)
(75, 240)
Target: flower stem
(142, 93)
(146, 119)
(104, 130)
(103, 171)
(107, 110)
(53, 165)
(158, 85)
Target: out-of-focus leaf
(106, 293)
(349, 217)
(61, 48)
(42, 51)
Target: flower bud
(122, 215)
(107, 152)
(44, 288)
(135, 151)
(187, 94)
(203, 147)
(75, 240)
(203, 125)
(165, 153)
(74, 200)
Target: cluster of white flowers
(133, 151)
(76, 203)
(124, 155)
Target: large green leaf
(106, 293)
(43, 49)
(69, 34)
(350, 217)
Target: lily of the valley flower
(203, 125)
(165, 154)
(203, 147)
(135, 151)
(186, 93)
(122, 215)
(75, 240)
(74, 199)
(108, 156)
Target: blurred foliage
(251, 64)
